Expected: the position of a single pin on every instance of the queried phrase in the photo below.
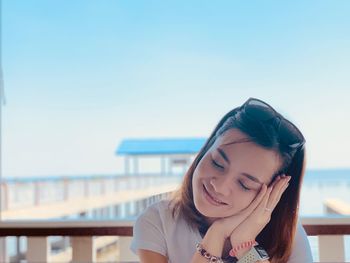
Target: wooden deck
(336, 206)
(75, 206)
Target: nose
(221, 186)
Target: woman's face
(230, 175)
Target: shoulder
(161, 210)
(157, 230)
(300, 235)
(301, 251)
(149, 230)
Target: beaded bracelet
(250, 244)
(207, 255)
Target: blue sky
(82, 75)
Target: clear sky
(82, 75)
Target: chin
(208, 211)
(205, 212)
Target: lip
(212, 200)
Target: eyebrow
(223, 154)
(249, 176)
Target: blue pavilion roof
(160, 146)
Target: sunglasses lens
(259, 110)
(288, 132)
(290, 135)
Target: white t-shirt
(156, 230)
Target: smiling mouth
(211, 198)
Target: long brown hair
(278, 235)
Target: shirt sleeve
(148, 232)
(301, 251)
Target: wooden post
(83, 249)
(115, 184)
(37, 193)
(331, 248)
(65, 189)
(3, 252)
(18, 248)
(126, 165)
(163, 166)
(4, 195)
(136, 165)
(102, 186)
(170, 166)
(86, 187)
(37, 249)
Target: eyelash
(215, 164)
(243, 186)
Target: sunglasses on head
(259, 110)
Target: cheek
(200, 172)
(196, 175)
(242, 199)
(196, 181)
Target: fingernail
(288, 178)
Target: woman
(239, 199)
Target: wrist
(238, 238)
(212, 242)
(219, 228)
(237, 241)
(240, 253)
(240, 250)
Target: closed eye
(243, 186)
(221, 167)
(216, 164)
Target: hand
(260, 217)
(226, 225)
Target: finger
(278, 191)
(256, 201)
(275, 188)
(282, 192)
(276, 180)
(265, 200)
(282, 189)
(259, 197)
(262, 205)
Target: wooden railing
(82, 233)
(330, 232)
